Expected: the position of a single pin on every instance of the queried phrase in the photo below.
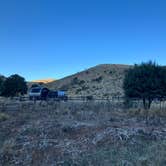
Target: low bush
(98, 79)
(89, 97)
(3, 117)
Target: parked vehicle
(38, 93)
(58, 95)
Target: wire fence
(116, 102)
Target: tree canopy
(14, 85)
(2, 80)
(146, 81)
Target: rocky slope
(104, 81)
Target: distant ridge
(45, 81)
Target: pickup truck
(38, 93)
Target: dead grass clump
(157, 112)
(134, 112)
(8, 151)
(150, 113)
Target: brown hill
(44, 81)
(104, 80)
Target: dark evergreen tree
(146, 81)
(2, 80)
(14, 85)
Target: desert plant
(89, 97)
(81, 82)
(84, 88)
(98, 79)
(3, 117)
(78, 90)
(87, 72)
(75, 80)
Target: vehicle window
(35, 90)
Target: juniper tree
(14, 85)
(146, 81)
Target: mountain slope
(44, 81)
(104, 80)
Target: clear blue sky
(55, 38)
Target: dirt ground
(73, 133)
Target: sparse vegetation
(64, 87)
(90, 133)
(98, 77)
(140, 154)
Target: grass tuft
(3, 117)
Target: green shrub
(85, 87)
(81, 82)
(98, 79)
(89, 97)
(3, 117)
(75, 80)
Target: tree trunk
(144, 103)
(149, 103)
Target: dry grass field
(80, 133)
